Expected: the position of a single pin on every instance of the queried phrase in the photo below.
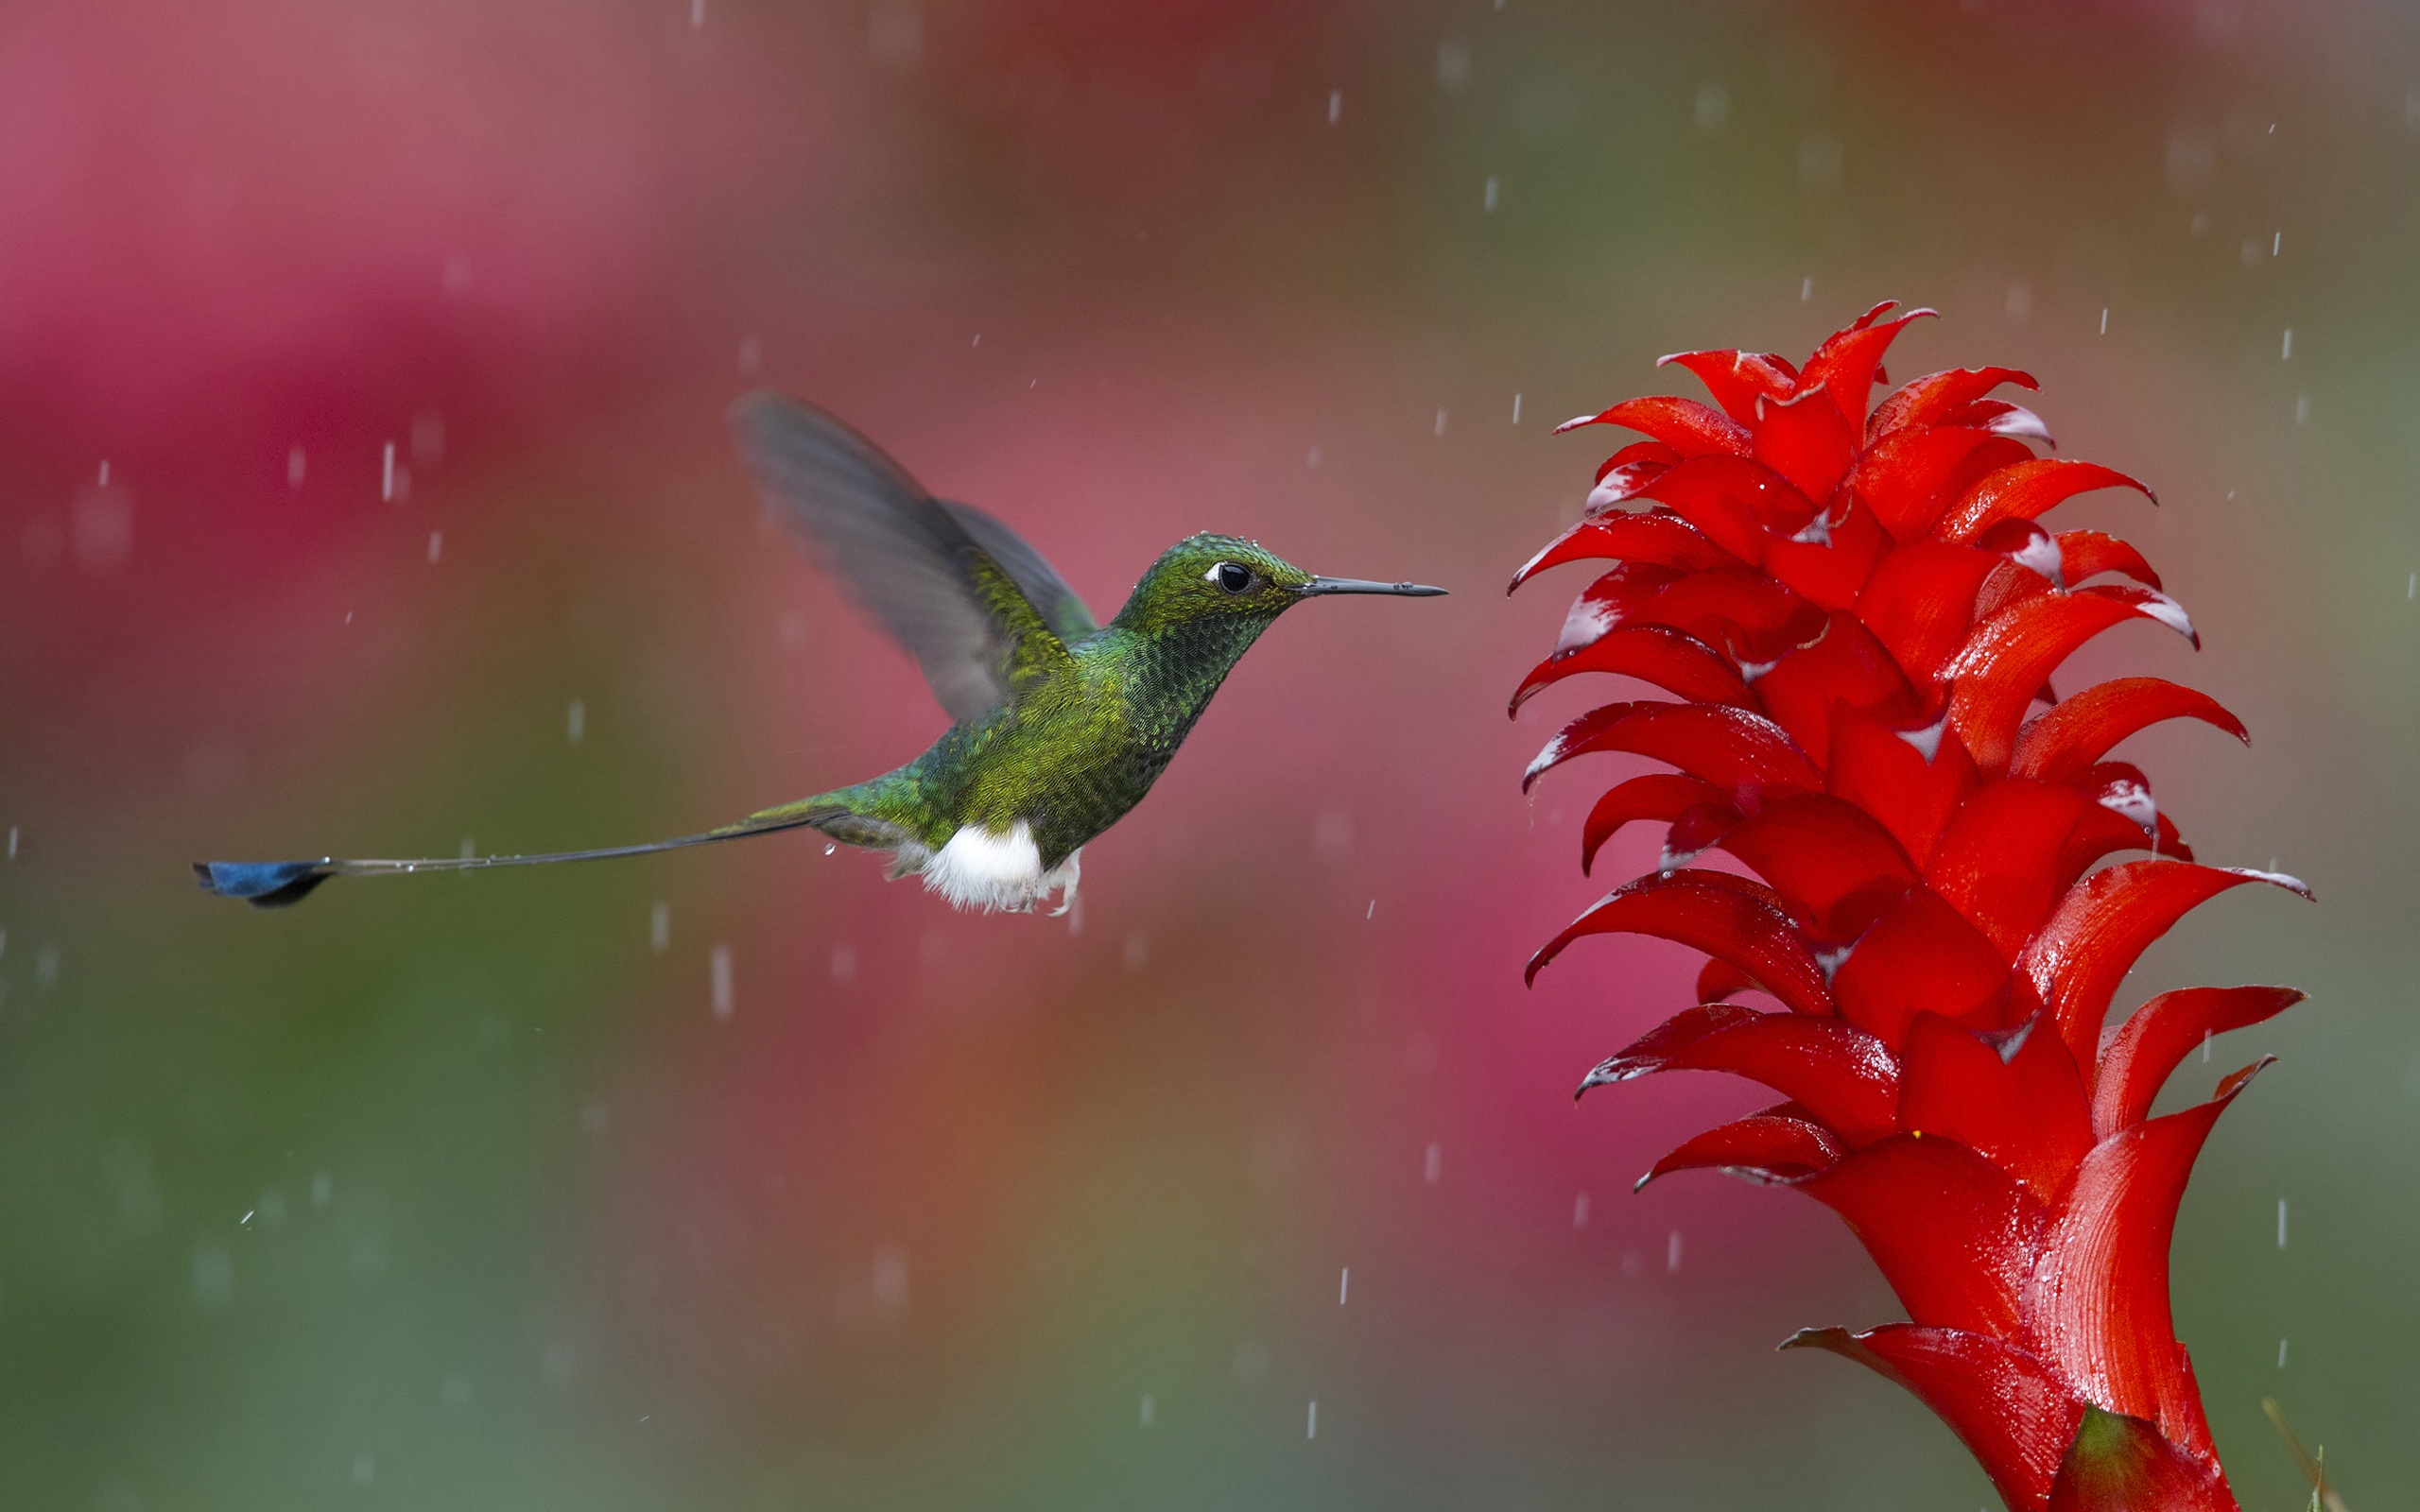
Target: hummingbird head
(1223, 580)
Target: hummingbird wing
(977, 608)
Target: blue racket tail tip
(262, 883)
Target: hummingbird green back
(1059, 724)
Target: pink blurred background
(403, 333)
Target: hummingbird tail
(279, 884)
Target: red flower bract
(1857, 618)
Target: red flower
(1854, 614)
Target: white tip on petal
(1927, 740)
(2292, 885)
(1575, 422)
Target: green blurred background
(458, 1192)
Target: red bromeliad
(1855, 613)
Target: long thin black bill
(1363, 585)
(277, 884)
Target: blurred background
(363, 490)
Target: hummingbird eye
(1231, 578)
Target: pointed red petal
(1719, 979)
(1741, 753)
(1912, 781)
(1657, 537)
(1764, 1149)
(2001, 417)
(1683, 424)
(1921, 955)
(1737, 379)
(2096, 1307)
(1728, 918)
(2089, 552)
(1736, 501)
(2138, 1057)
(1951, 1232)
(2023, 491)
(1651, 653)
(1663, 796)
(1842, 1077)
(2007, 658)
(1847, 362)
(1827, 560)
(1920, 600)
(2078, 733)
(1736, 609)
(2077, 960)
(2122, 1463)
(1613, 599)
(2025, 1114)
(1910, 476)
(1997, 860)
(1806, 440)
(1827, 857)
(1925, 400)
(2009, 1411)
(1844, 665)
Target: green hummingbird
(1061, 724)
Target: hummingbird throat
(981, 868)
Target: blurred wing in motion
(918, 565)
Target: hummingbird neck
(1176, 667)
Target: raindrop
(719, 971)
(889, 1280)
(2281, 1353)
(2277, 245)
(576, 726)
(2286, 349)
(1516, 409)
(214, 1275)
(2205, 1047)
(1343, 1285)
(1373, 911)
(1435, 1164)
(697, 14)
(1147, 1409)
(46, 965)
(1672, 1252)
(659, 926)
(1313, 1429)
(1313, 460)
(12, 842)
(978, 340)
(1713, 106)
(2410, 590)
(387, 474)
(1453, 65)
(895, 34)
(1335, 106)
(2104, 319)
(2302, 410)
(1488, 196)
(1580, 1211)
(1807, 290)
(296, 465)
(365, 1468)
(324, 1190)
(436, 546)
(105, 472)
(2281, 1223)
(1441, 420)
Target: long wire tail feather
(279, 884)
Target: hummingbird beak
(1363, 585)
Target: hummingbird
(1059, 724)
